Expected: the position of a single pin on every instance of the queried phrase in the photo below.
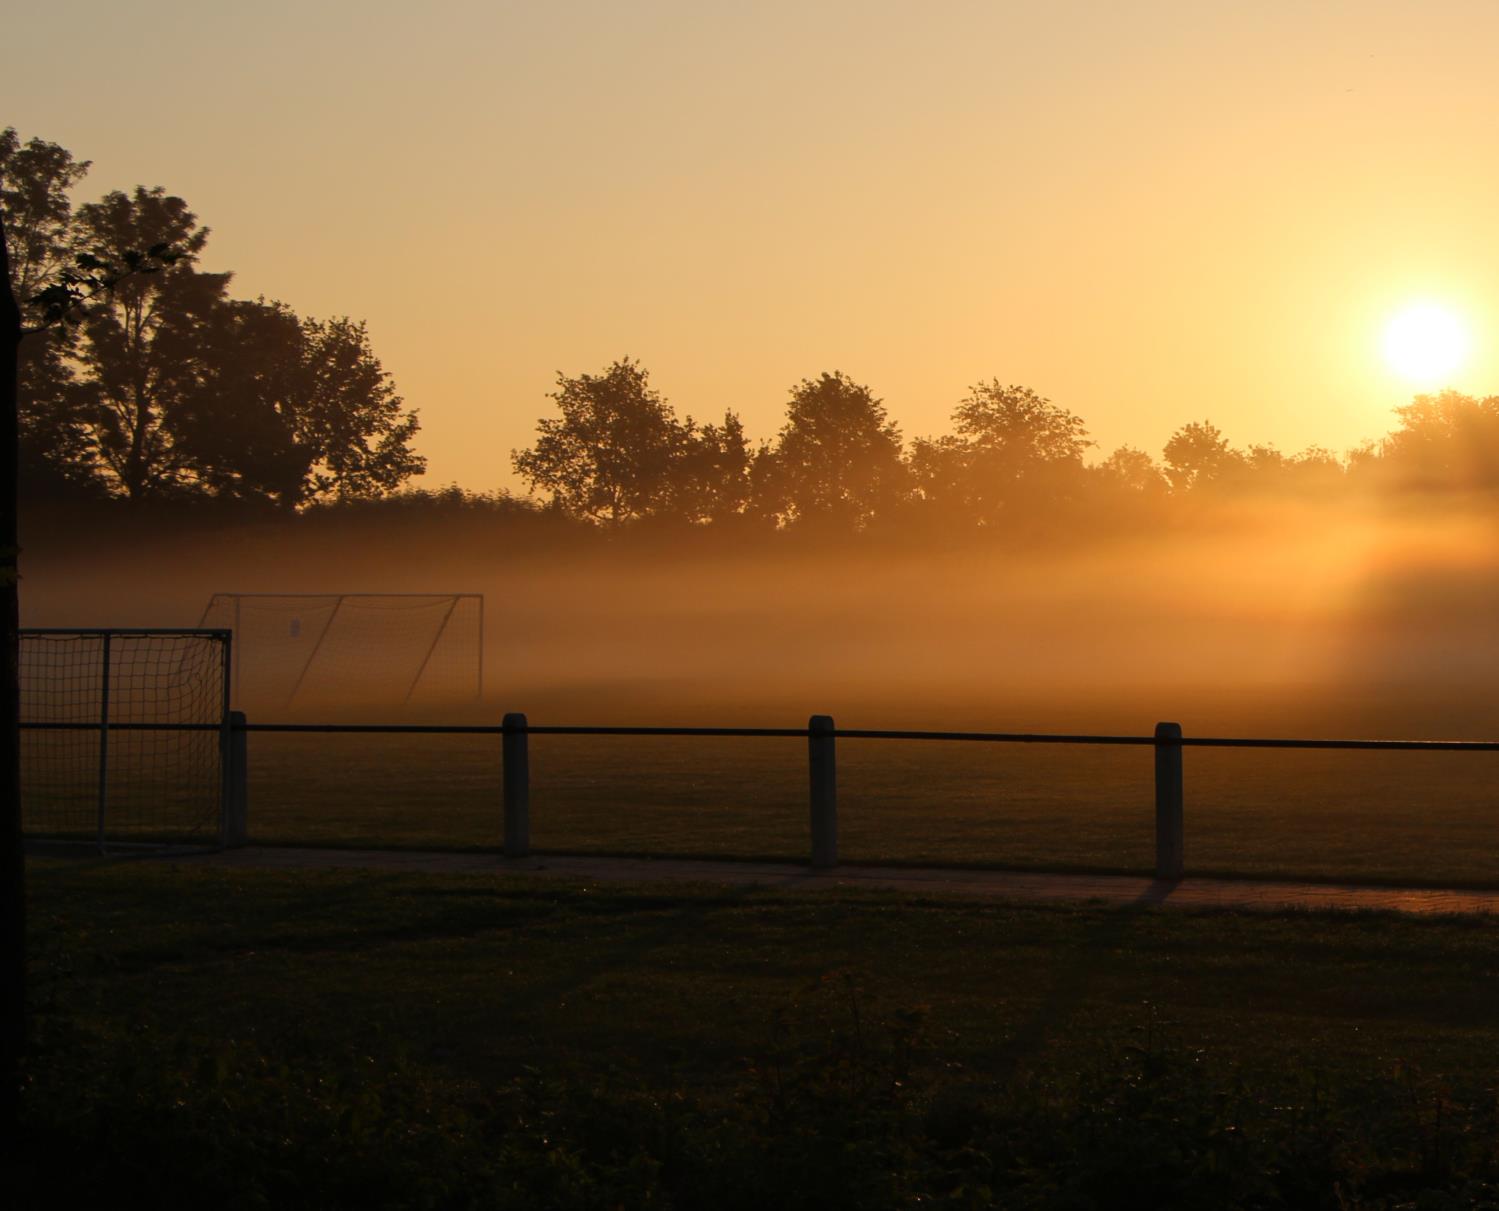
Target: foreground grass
(254, 1038)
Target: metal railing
(821, 735)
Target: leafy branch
(66, 301)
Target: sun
(1425, 343)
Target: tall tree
(1022, 449)
(1017, 429)
(1444, 441)
(167, 386)
(1133, 471)
(1013, 450)
(618, 453)
(61, 301)
(609, 456)
(941, 479)
(837, 460)
(12, 856)
(140, 353)
(711, 473)
(35, 179)
(1198, 455)
(289, 410)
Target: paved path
(995, 884)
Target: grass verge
(323, 1038)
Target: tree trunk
(12, 858)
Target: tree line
(168, 388)
(617, 453)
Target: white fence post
(1168, 801)
(824, 771)
(517, 782)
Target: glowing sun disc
(1424, 343)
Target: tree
(711, 473)
(837, 460)
(289, 410)
(1444, 441)
(939, 468)
(1022, 448)
(1012, 450)
(62, 301)
(141, 352)
(35, 178)
(1318, 467)
(1020, 429)
(1198, 454)
(1133, 471)
(1265, 469)
(168, 387)
(12, 855)
(612, 455)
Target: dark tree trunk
(12, 858)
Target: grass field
(318, 1039)
(1429, 818)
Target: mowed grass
(250, 1038)
(1420, 818)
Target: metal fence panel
(95, 765)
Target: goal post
(124, 735)
(340, 649)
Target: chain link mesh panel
(83, 776)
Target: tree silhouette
(837, 460)
(711, 474)
(1133, 471)
(1198, 454)
(12, 856)
(63, 301)
(1444, 441)
(141, 352)
(1021, 449)
(35, 178)
(618, 453)
(609, 456)
(289, 410)
(167, 387)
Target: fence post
(824, 770)
(1168, 801)
(237, 783)
(517, 780)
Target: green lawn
(255, 1038)
(1428, 818)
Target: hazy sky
(1151, 212)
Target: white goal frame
(237, 649)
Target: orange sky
(1151, 212)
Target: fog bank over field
(1290, 621)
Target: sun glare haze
(1426, 343)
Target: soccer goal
(124, 735)
(352, 649)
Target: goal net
(123, 735)
(352, 649)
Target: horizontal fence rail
(796, 733)
(821, 735)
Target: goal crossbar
(303, 658)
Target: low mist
(1289, 620)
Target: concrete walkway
(984, 884)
